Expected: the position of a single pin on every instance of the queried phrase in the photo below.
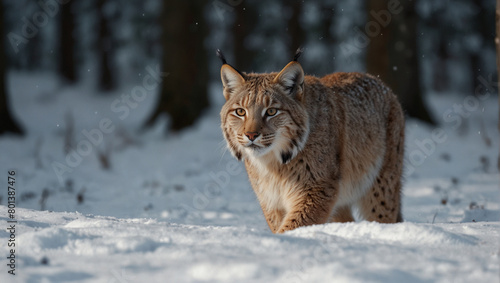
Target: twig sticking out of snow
(38, 158)
(104, 156)
(69, 132)
(484, 133)
(434, 217)
(43, 199)
(485, 163)
(125, 140)
(80, 196)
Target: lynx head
(264, 115)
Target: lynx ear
(291, 78)
(231, 79)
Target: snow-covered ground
(179, 208)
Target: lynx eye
(271, 111)
(240, 112)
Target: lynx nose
(252, 135)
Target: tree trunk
(328, 14)
(482, 28)
(393, 56)
(244, 58)
(34, 52)
(295, 30)
(441, 78)
(377, 55)
(497, 45)
(184, 92)
(67, 67)
(7, 123)
(105, 49)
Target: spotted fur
(334, 144)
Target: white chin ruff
(256, 153)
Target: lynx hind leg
(382, 203)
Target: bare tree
(7, 123)
(480, 26)
(295, 30)
(105, 49)
(184, 92)
(67, 67)
(497, 44)
(393, 55)
(243, 27)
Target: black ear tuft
(224, 62)
(221, 56)
(297, 54)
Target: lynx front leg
(274, 218)
(310, 207)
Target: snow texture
(180, 208)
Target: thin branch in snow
(483, 132)
(126, 139)
(43, 199)
(38, 158)
(104, 155)
(80, 196)
(69, 132)
(434, 217)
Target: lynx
(316, 150)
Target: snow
(180, 208)
(97, 248)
